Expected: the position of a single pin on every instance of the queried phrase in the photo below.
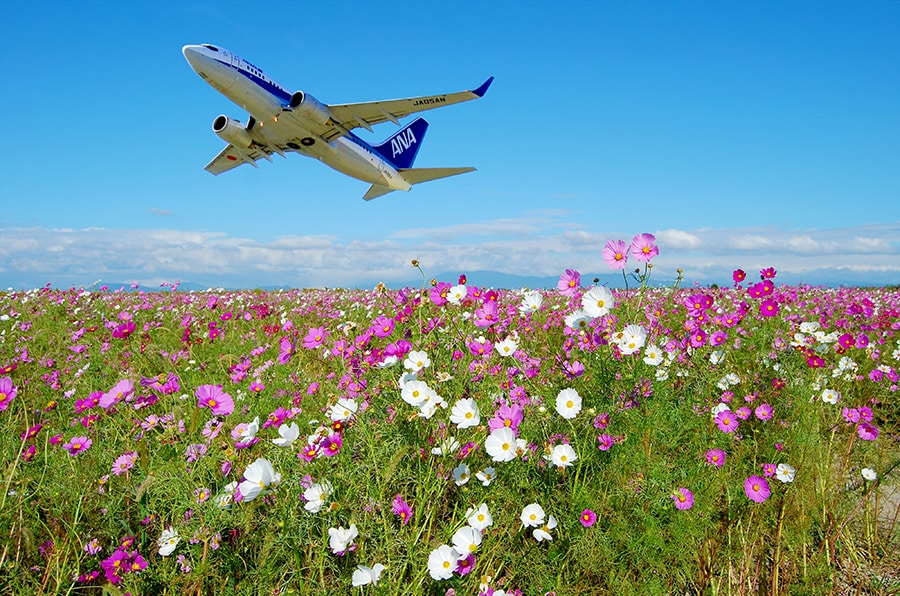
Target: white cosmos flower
(415, 393)
(809, 326)
(507, 347)
(388, 361)
(168, 541)
(578, 320)
(652, 355)
(501, 444)
(461, 474)
(442, 562)
(416, 361)
(465, 414)
(486, 476)
(562, 455)
(289, 434)
(446, 447)
(830, 396)
(249, 433)
(225, 499)
(457, 294)
(316, 496)
(633, 339)
(466, 541)
(785, 472)
(344, 409)
(258, 477)
(597, 301)
(340, 538)
(868, 474)
(568, 403)
(532, 516)
(479, 517)
(531, 302)
(364, 576)
(543, 533)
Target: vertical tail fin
(401, 148)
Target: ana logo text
(402, 141)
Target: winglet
(484, 87)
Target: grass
(823, 532)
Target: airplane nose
(191, 53)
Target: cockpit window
(209, 47)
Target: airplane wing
(231, 157)
(353, 115)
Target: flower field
(452, 439)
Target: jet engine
(232, 131)
(310, 108)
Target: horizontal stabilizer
(416, 176)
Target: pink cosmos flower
(768, 308)
(867, 432)
(615, 254)
(77, 445)
(588, 518)
(726, 421)
(212, 397)
(763, 412)
(605, 442)
(767, 273)
(7, 392)
(401, 509)
(124, 463)
(569, 282)
(715, 457)
(315, 337)
(331, 445)
(643, 247)
(509, 416)
(738, 276)
(684, 499)
(768, 470)
(757, 489)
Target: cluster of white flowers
(419, 395)
(444, 560)
(533, 516)
(846, 369)
(631, 339)
(729, 380)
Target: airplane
(281, 122)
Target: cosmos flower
(569, 282)
(684, 499)
(8, 392)
(568, 403)
(486, 476)
(830, 396)
(562, 455)
(416, 361)
(615, 254)
(364, 576)
(757, 489)
(461, 474)
(442, 562)
(341, 539)
(77, 445)
(288, 434)
(507, 347)
(587, 518)
(597, 301)
(212, 397)
(868, 474)
(401, 509)
(466, 540)
(479, 517)
(643, 247)
(727, 421)
(532, 516)
(465, 414)
(785, 472)
(531, 302)
(715, 457)
(501, 445)
(168, 541)
(258, 477)
(316, 496)
(543, 533)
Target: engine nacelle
(310, 108)
(232, 131)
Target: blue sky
(741, 134)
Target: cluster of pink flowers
(642, 248)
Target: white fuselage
(269, 104)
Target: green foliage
(827, 529)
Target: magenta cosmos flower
(715, 457)
(77, 445)
(401, 509)
(757, 489)
(727, 421)
(7, 392)
(212, 397)
(684, 499)
(569, 282)
(588, 518)
(615, 254)
(643, 247)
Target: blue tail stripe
(401, 148)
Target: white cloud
(31, 257)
